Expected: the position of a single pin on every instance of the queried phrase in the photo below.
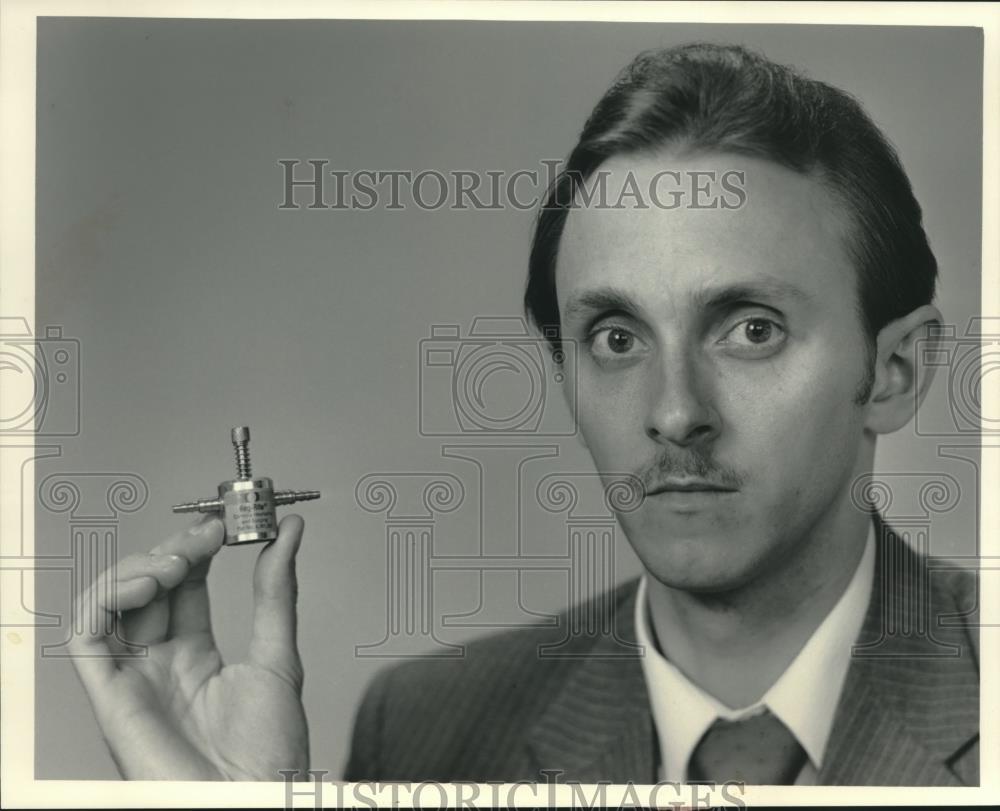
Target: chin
(698, 564)
(698, 581)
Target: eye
(611, 343)
(756, 335)
(619, 341)
(758, 331)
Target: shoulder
(438, 717)
(503, 660)
(955, 600)
(922, 606)
(958, 584)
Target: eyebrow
(609, 299)
(601, 299)
(758, 290)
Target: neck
(736, 644)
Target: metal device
(247, 505)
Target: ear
(902, 373)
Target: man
(740, 353)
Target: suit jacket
(908, 713)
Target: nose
(680, 409)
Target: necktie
(757, 751)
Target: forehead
(786, 231)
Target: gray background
(199, 305)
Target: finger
(130, 586)
(127, 586)
(137, 592)
(94, 642)
(145, 624)
(272, 641)
(197, 543)
(189, 610)
(169, 563)
(142, 565)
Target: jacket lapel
(599, 726)
(910, 703)
(907, 714)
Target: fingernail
(165, 561)
(204, 527)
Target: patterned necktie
(757, 751)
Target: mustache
(689, 466)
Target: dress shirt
(804, 697)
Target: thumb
(272, 641)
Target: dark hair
(725, 98)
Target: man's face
(719, 354)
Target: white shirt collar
(804, 697)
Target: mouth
(679, 486)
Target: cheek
(800, 423)
(805, 390)
(610, 418)
(818, 401)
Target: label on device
(250, 512)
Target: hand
(177, 712)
